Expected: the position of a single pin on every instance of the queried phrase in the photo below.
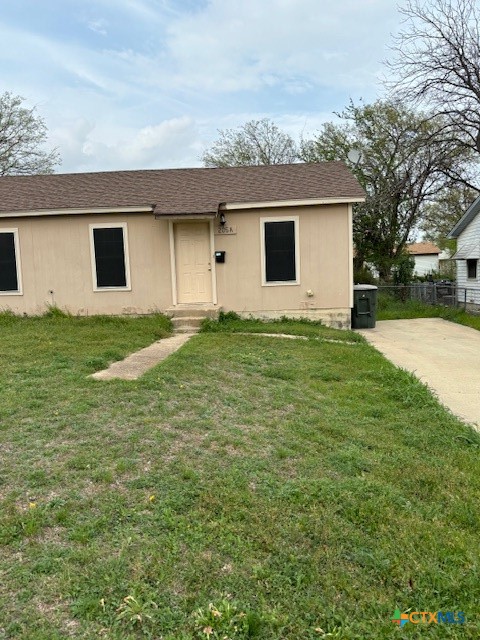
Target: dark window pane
(8, 263)
(471, 268)
(280, 251)
(110, 257)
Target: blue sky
(129, 84)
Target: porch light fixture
(223, 220)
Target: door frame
(173, 263)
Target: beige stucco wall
(55, 256)
(325, 262)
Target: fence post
(465, 299)
(434, 291)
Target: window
(109, 256)
(472, 269)
(9, 262)
(280, 251)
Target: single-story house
(426, 256)
(467, 256)
(266, 241)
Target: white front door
(193, 262)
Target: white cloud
(86, 147)
(98, 26)
(164, 144)
(71, 139)
(51, 59)
(244, 45)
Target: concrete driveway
(444, 355)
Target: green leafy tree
(255, 143)
(406, 160)
(22, 138)
(404, 268)
(440, 217)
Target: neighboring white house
(467, 233)
(426, 256)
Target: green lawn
(246, 487)
(391, 308)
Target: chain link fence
(446, 293)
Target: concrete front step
(188, 318)
(192, 321)
(197, 311)
(184, 328)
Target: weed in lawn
(55, 312)
(134, 613)
(227, 620)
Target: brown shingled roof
(422, 248)
(178, 191)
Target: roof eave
(203, 215)
(38, 213)
(465, 220)
(226, 206)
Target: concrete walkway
(136, 364)
(444, 355)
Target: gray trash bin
(364, 312)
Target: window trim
(110, 225)
(475, 277)
(296, 224)
(18, 262)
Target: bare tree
(22, 137)
(256, 142)
(437, 62)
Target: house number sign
(226, 230)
